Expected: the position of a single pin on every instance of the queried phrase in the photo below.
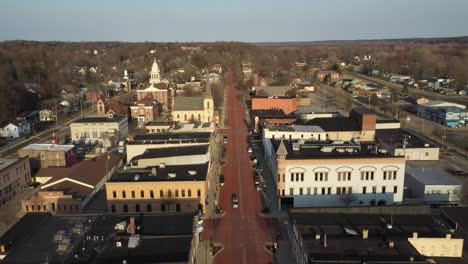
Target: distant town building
(15, 175)
(46, 115)
(445, 113)
(145, 110)
(322, 74)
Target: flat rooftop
(334, 123)
(295, 128)
(395, 137)
(4, 163)
(430, 177)
(49, 147)
(344, 236)
(100, 119)
(192, 172)
(272, 113)
(171, 152)
(313, 150)
(164, 238)
(173, 136)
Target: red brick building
(159, 92)
(288, 105)
(145, 110)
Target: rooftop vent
(427, 145)
(154, 172)
(338, 142)
(296, 146)
(192, 172)
(172, 175)
(118, 244)
(341, 150)
(136, 177)
(326, 149)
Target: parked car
(459, 173)
(258, 187)
(249, 150)
(93, 142)
(77, 142)
(87, 142)
(235, 201)
(80, 151)
(225, 140)
(221, 180)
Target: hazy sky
(226, 20)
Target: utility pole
(56, 114)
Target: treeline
(55, 64)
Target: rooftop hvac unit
(350, 150)
(326, 149)
(296, 146)
(118, 244)
(192, 172)
(426, 145)
(162, 165)
(78, 229)
(338, 142)
(341, 150)
(60, 235)
(122, 226)
(171, 175)
(136, 177)
(154, 172)
(64, 245)
(383, 151)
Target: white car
(249, 150)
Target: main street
(242, 231)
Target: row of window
(45, 208)
(341, 176)
(149, 208)
(338, 190)
(177, 193)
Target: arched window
(199, 117)
(177, 207)
(178, 116)
(185, 117)
(148, 208)
(137, 208)
(163, 208)
(193, 117)
(53, 207)
(113, 208)
(125, 208)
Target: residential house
(15, 129)
(322, 74)
(46, 115)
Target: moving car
(221, 180)
(235, 201)
(459, 173)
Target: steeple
(208, 92)
(281, 153)
(155, 73)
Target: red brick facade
(288, 105)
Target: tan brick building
(158, 189)
(49, 155)
(15, 175)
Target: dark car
(459, 173)
(221, 180)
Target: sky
(230, 20)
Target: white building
(294, 132)
(46, 115)
(311, 174)
(16, 129)
(100, 128)
(155, 76)
(432, 187)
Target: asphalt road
(242, 231)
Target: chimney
(365, 234)
(415, 235)
(132, 226)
